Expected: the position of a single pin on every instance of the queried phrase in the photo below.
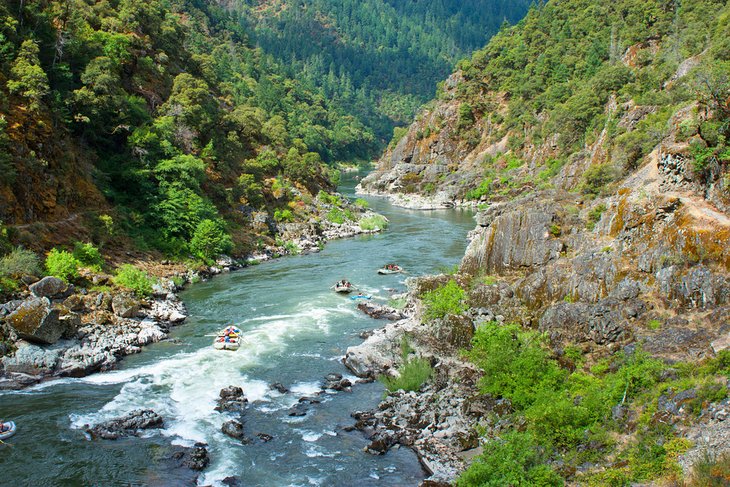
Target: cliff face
(604, 191)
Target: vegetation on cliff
(575, 96)
(574, 412)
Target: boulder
(231, 399)
(35, 321)
(125, 305)
(128, 425)
(233, 428)
(48, 287)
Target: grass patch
(412, 374)
(374, 222)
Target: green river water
(296, 330)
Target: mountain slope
(159, 114)
(380, 59)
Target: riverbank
(53, 329)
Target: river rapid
(296, 331)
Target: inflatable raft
(392, 270)
(8, 433)
(228, 339)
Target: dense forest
(379, 59)
(161, 114)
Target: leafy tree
(27, 77)
(210, 240)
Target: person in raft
(229, 333)
(4, 427)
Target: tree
(210, 240)
(27, 77)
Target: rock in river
(128, 425)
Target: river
(296, 332)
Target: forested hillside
(147, 118)
(381, 59)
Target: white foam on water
(315, 451)
(309, 436)
(184, 388)
(306, 388)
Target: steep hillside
(574, 97)
(381, 59)
(594, 297)
(154, 116)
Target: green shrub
(330, 199)
(448, 299)
(62, 264)
(374, 222)
(336, 215)
(555, 230)
(18, 262)
(413, 373)
(594, 216)
(88, 255)
(362, 203)
(478, 192)
(210, 240)
(134, 279)
(654, 324)
(516, 459)
(597, 177)
(284, 215)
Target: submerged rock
(195, 458)
(128, 425)
(279, 387)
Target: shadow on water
(296, 330)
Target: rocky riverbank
(437, 421)
(53, 329)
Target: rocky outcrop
(379, 312)
(128, 425)
(125, 305)
(98, 330)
